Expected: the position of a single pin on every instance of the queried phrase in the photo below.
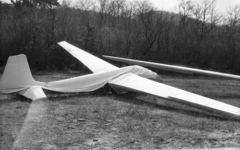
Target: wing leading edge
(135, 83)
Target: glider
(17, 78)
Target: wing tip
(62, 42)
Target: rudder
(17, 75)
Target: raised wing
(134, 82)
(173, 68)
(92, 62)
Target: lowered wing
(134, 82)
(173, 68)
(92, 62)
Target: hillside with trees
(197, 36)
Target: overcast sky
(171, 5)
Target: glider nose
(158, 78)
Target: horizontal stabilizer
(33, 93)
(173, 67)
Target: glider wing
(173, 68)
(92, 62)
(136, 83)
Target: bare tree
(206, 19)
(186, 8)
(233, 36)
(149, 19)
(86, 5)
(130, 29)
(103, 10)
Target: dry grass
(131, 121)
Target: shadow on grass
(104, 91)
(230, 96)
(13, 98)
(65, 96)
(133, 99)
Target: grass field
(102, 120)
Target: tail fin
(17, 75)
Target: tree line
(197, 36)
